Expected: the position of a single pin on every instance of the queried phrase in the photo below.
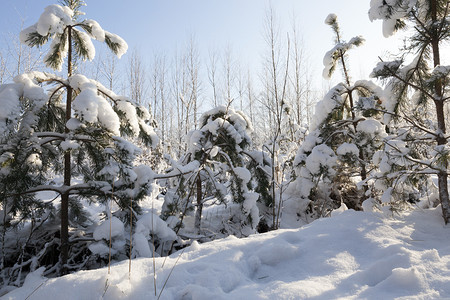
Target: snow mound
(352, 255)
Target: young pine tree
(333, 160)
(74, 122)
(216, 153)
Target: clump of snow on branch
(97, 31)
(9, 101)
(130, 113)
(322, 157)
(92, 108)
(235, 124)
(25, 86)
(54, 19)
(391, 12)
(371, 127)
(347, 148)
(119, 46)
(243, 173)
(324, 107)
(148, 224)
(111, 228)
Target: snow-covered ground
(352, 255)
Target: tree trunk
(441, 140)
(67, 170)
(198, 213)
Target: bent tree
(422, 83)
(88, 134)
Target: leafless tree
(109, 68)
(229, 74)
(137, 77)
(3, 69)
(193, 67)
(212, 75)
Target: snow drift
(352, 255)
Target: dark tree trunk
(67, 170)
(441, 140)
(198, 213)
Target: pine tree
(419, 85)
(87, 134)
(332, 161)
(218, 163)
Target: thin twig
(170, 273)
(153, 250)
(110, 231)
(131, 236)
(28, 297)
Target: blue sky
(151, 25)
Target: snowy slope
(353, 255)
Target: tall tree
(424, 78)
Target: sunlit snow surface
(352, 255)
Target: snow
(24, 85)
(440, 72)
(324, 107)
(214, 151)
(31, 89)
(150, 132)
(97, 31)
(34, 160)
(25, 33)
(68, 144)
(130, 113)
(389, 27)
(370, 126)
(54, 19)
(321, 157)
(9, 101)
(110, 227)
(250, 207)
(387, 195)
(151, 223)
(243, 173)
(92, 108)
(73, 124)
(121, 45)
(347, 148)
(352, 255)
(390, 11)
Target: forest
(101, 166)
